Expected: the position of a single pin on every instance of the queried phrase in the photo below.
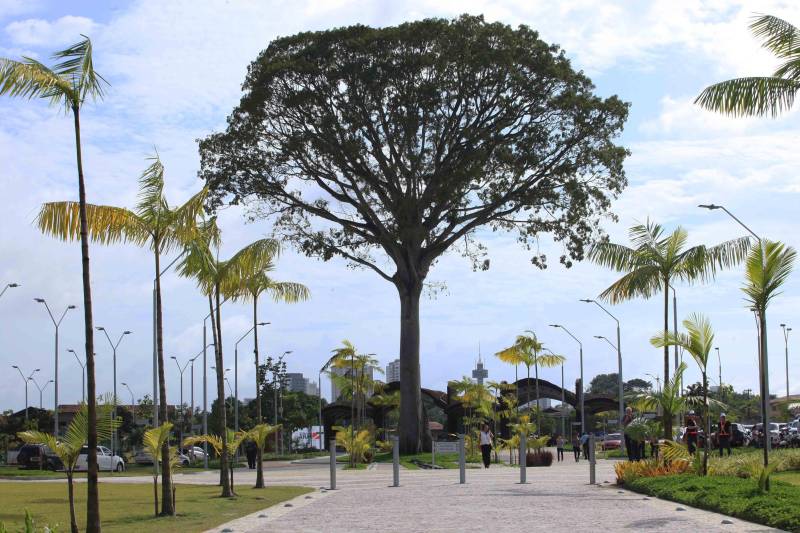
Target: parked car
(144, 458)
(105, 460)
(194, 453)
(612, 441)
(38, 456)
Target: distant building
(296, 382)
(393, 371)
(336, 392)
(312, 389)
(480, 373)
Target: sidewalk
(555, 499)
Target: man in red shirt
(724, 434)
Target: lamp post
(786, 331)
(658, 381)
(8, 286)
(26, 380)
(580, 348)
(275, 373)
(719, 362)
(191, 388)
(181, 369)
(56, 324)
(41, 389)
(236, 375)
(761, 317)
(133, 402)
(114, 365)
(224, 401)
(83, 374)
(206, 344)
(618, 348)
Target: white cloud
(37, 32)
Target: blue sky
(175, 70)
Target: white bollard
(462, 461)
(592, 479)
(333, 464)
(395, 461)
(523, 459)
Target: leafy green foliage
(728, 495)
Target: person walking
(585, 445)
(627, 419)
(560, 448)
(251, 451)
(576, 447)
(486, 445)
(724, 435)
(691, 432)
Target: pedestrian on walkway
(585, 445)
(486, 445)
(691, 432)
(576, 447)
(627, 419)
(560, 448)
(251, 452)
(724, 435)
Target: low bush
(539, 458)
(749, 465)
(628, 471)
(728, 495)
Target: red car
(612, 441)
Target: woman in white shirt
(486, 445)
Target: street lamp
(114, 364)
(719, 362)
(224, 400)
(580, 347)
(83, 373)
(618, 348)
(26, 380)
(761, 317)
(56, 323)
(181, 369)
(275, 385)
(658, 381)
(41, 389)
(8, 286)
(786, 331)
(236, 375)
(133, 402)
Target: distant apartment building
(296, 382)
(393, 371)
(312, 389)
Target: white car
(105, 461)
(195, 453)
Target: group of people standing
(692, 434)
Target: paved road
(555, 499)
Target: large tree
(388, 147)
(68, 84)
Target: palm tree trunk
(92, 496)
(155, 494)
(707, 425)
(167, 508)
(73, 523)
(538, 418)
(259, 452)
(667, 417)
(227, 491)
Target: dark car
(38, 456)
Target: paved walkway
(555, 499)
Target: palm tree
(528, 350)
(255, 284)
(68, 447)
(217, 278)
(68, 83)
(761, 95)
(656, 259)
(224, 447)
(698, 342)
(153, 442)
(260, 434)
(153, 223)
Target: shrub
(628, 471)
(750, 464)
(539, 458)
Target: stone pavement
(555, 499)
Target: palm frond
(777, 35)
(614, 256)
(77, 65)
(106, 224)
(30, 79)
(644, 281)
(767, 268)
(750, 96)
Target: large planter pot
(539, 458)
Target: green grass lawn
(731, 496)
(15, 472)
(129, 507)
(788, 477)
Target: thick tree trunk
(92, 496)
(167, 509)
(73, 523)
(667, 416)
(538, 418)
(411, 432)
(259, 456)
(227, 491)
